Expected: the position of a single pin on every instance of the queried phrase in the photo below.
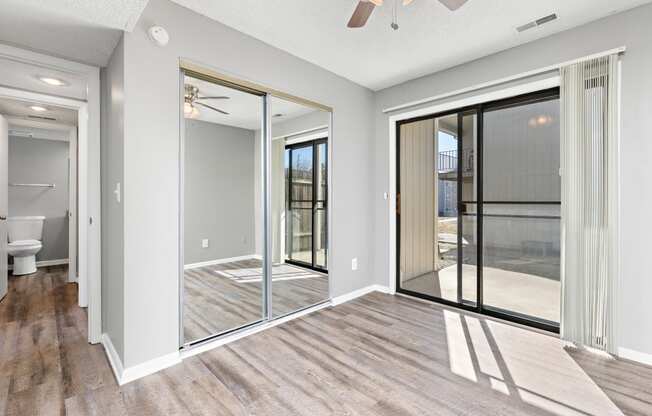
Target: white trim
(89, 196)
(220, 261)
(322, 133)
(315, 130)
(72, 205)
(434, 109)
(126, 375)
(129, 374)
(113, 357)
(634, 355)
(504, 80)
(338, 300)
(135, 372)
(45, 263)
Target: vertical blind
(589, 172)
(418, 209)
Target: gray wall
(112, 170)
(632, 29)
(41, 161)
(219, 191)
(151, 161)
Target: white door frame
(88, 169)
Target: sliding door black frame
(314, 144)
(478, 110)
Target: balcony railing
(447, 161)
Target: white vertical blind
(589, 161)
(418, 218)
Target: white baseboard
(360, 292)
(129, 374)
(633, 355)
(113, 357)
(44, 263)
(150, 367)
(220, 261)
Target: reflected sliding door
(307, 203)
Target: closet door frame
(188, 68)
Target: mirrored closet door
(254, 208)
(223, 286)
(299, 206)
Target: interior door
(4, 173)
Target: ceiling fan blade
(453, 4)
(361, 14)
(211, 107)
(217, 97)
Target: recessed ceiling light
(38, 108)
(53, 81)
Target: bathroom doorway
(40, 188)
(41, 87)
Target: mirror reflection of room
(223, 277)
(299, 206)
(225, 286)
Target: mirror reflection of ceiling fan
(366, 7)
(192, 100)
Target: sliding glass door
(478, 208)
(307, 203)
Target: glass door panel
(468, 213)
(300, 204)
(320, 230)
(521, 211)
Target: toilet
(25, 235)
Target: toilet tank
(25, 228)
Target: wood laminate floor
(376, 355)
(226, 296)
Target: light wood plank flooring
(377, 355)
(226, 296)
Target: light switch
(354, 263)
(117, 192)
(204, 243)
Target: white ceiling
(20, 109)
(245, 110)
(81, 30)
(430, 38)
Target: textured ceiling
(430, 38)
(81, 30)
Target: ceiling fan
(191, 100)
(365, 7)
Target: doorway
(478, 199)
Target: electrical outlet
(354, 263)
(204, 243)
